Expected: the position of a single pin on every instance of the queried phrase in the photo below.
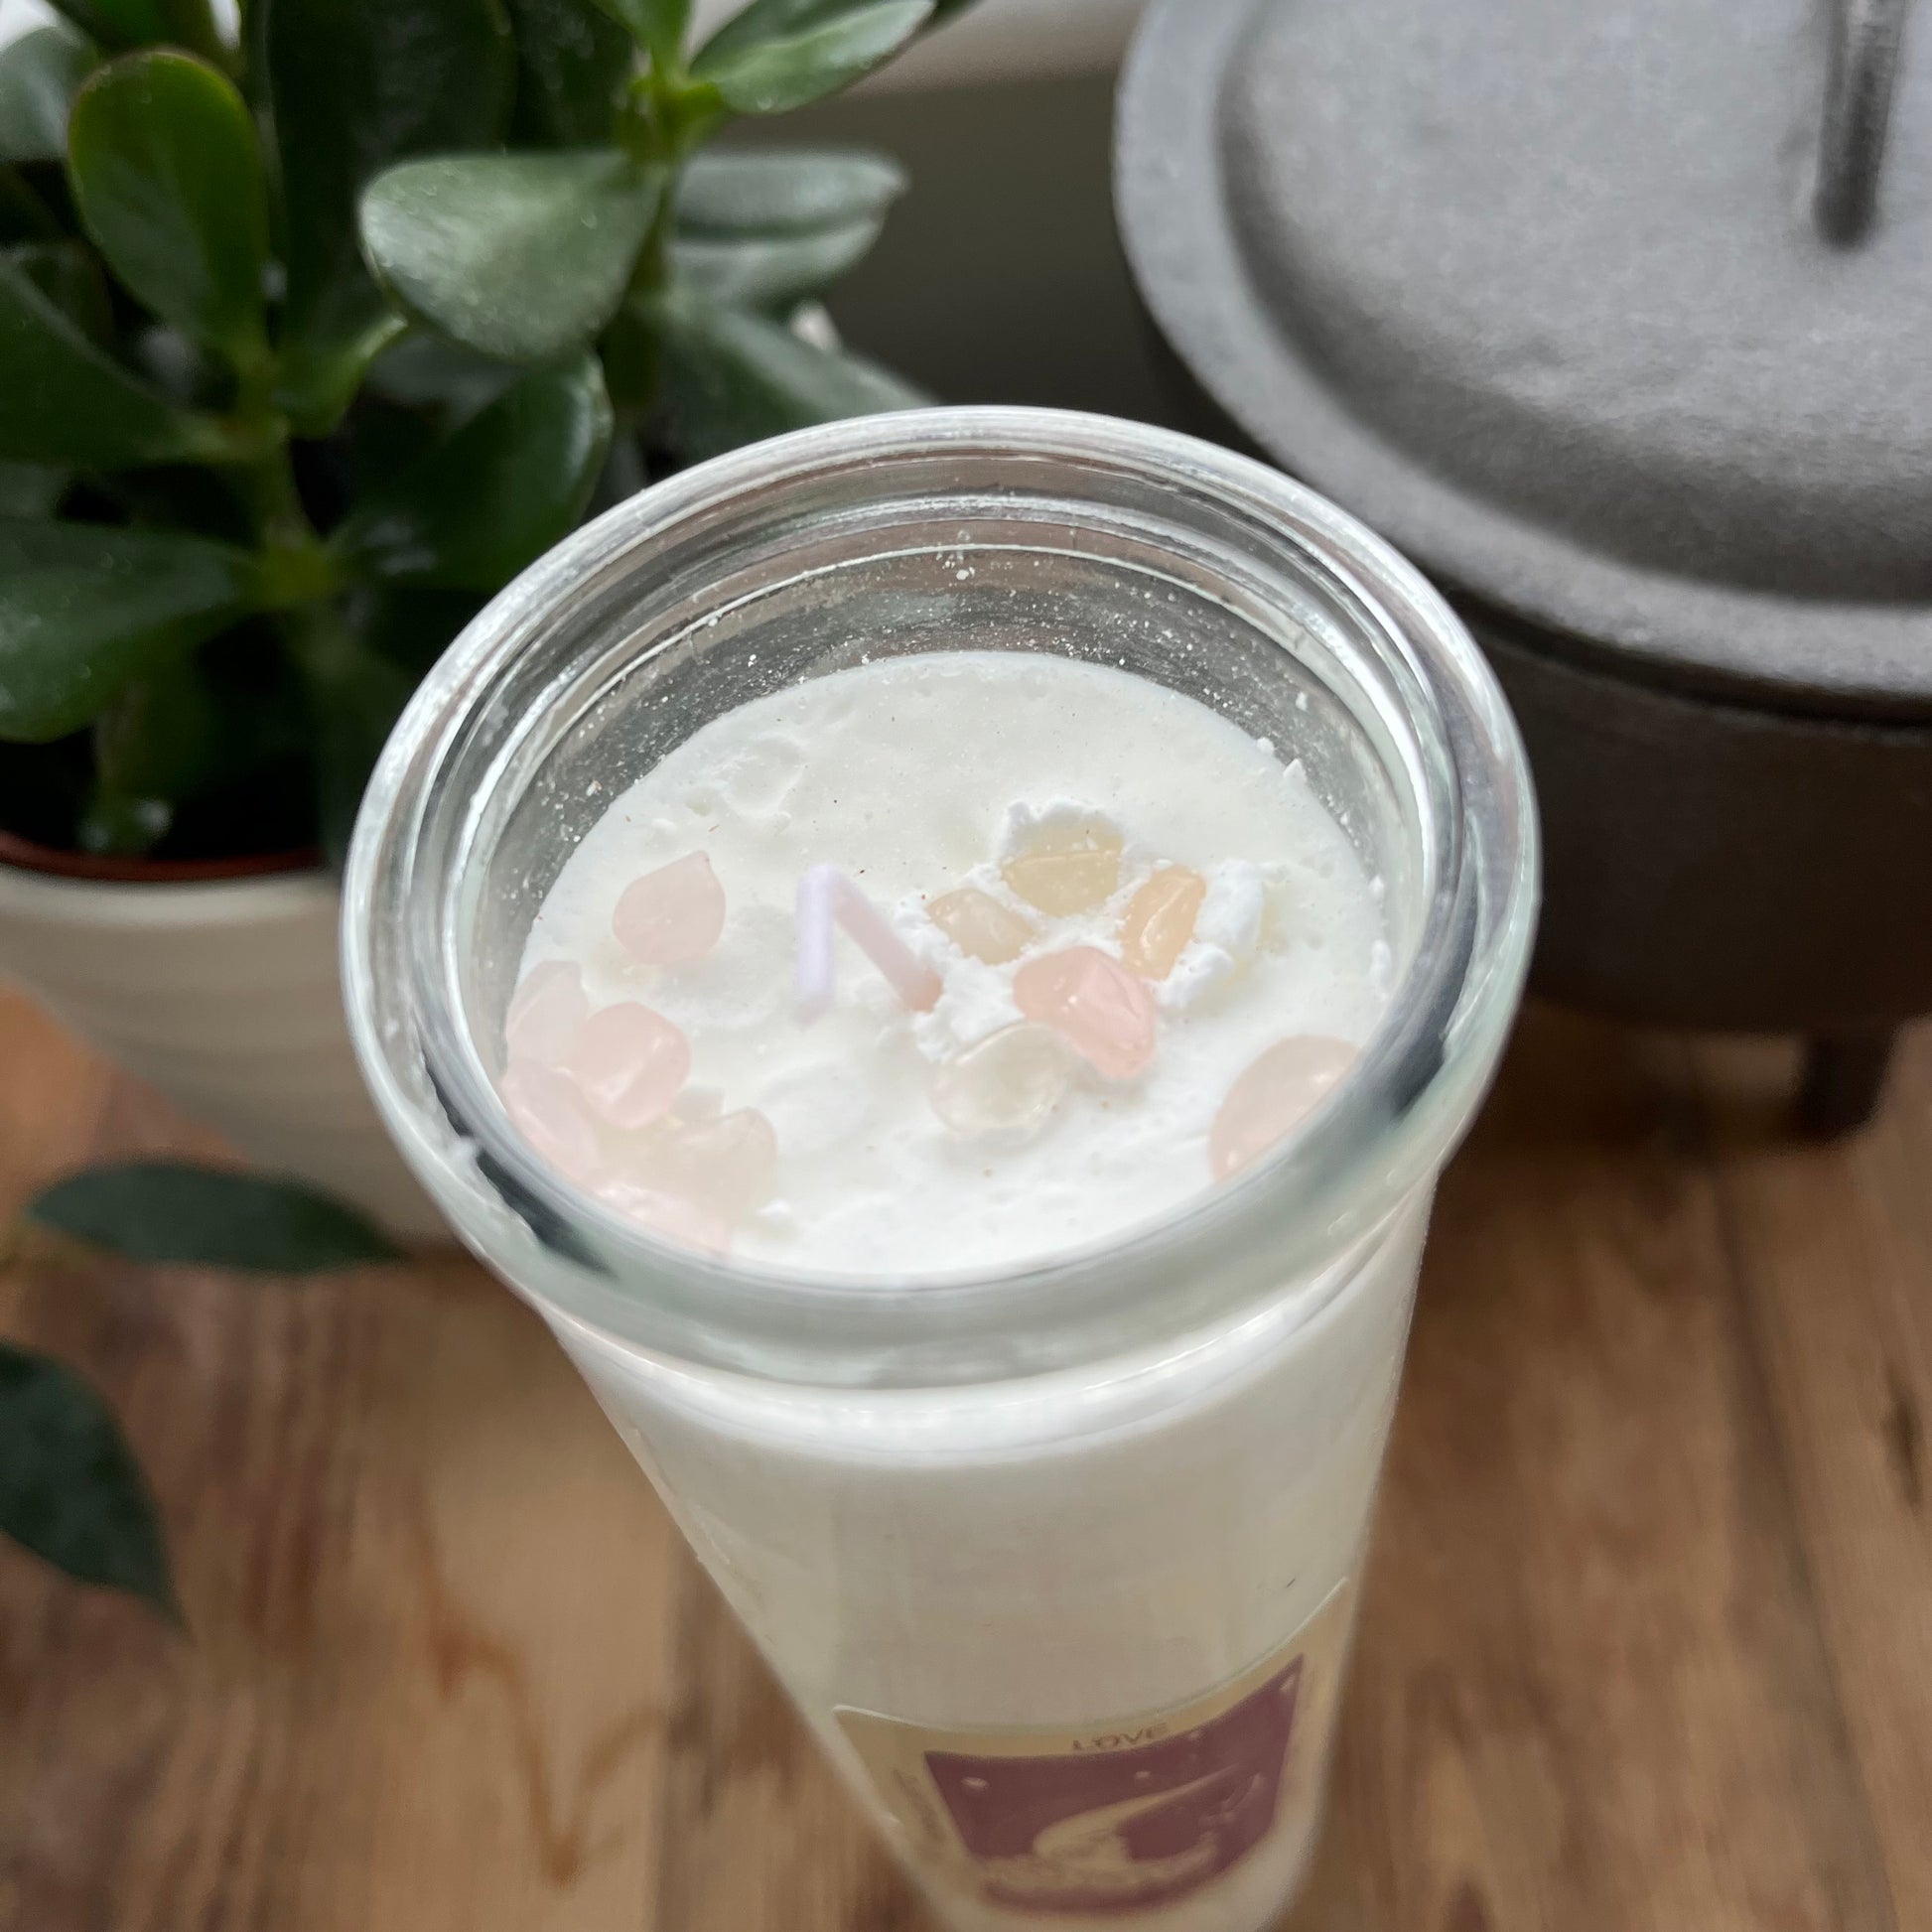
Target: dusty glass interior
(982, 529)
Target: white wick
(826, 897)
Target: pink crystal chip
(1278, 1090)
(547, 1011)
(673, 915)
(1104, 1013)
(725, 1165)
(551, 1115)
(630, 1064)
(689, 1221)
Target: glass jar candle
(1057, 1561)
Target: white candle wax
(916, 778)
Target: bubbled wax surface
(1080, 810)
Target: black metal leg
(1845, 1073)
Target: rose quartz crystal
(1279, 1089)
(1102, 1011)
(1065, 867)
(673, 915)
(551, 1115)
(629, 1063)
(1010, 1082)
(725, 1163)
(980, 926)
(1159, 920)
(546, 1014)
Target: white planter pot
(225, 997)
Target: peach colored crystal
(1102, 1011)
(551, 1115)
(1065, 867)
(1159, 920)
(980, 926)
(547, 1011)
(673, 915)
(1010, 1082)
(630, 1064)
(1280, 1088)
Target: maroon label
(1115, 1818)
(1121, 1826)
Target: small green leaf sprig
(70, 1489)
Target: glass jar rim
(1386, 1129)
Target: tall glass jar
(1058, 1563)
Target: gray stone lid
(1536, 288)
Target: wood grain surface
(1647, 1638)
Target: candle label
(1111, 1819)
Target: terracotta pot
(217, 982)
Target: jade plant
(311, 339)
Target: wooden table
(1647, 1640)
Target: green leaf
(71, 1489)
(358, 675)
(185, 728)
(143, 23)
(425, 370)
(354, 85)
(85, 610)
(731, 378)
(317, 380)
(773, 274)
(656, 24)
(66, 402)
(30, 489)
(767, 21)
(38, 73)
(354, 719)
(69, 275)
(167, 177)
(495, 495)
(162, 1211)
(519, 256)
(772, 76)
(759, 193)
(572, 64)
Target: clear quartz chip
(1010, 1082)
(1277, 1091)
(1159, 920)
(1065, 866)
(671, 916)
(546, 1013)
(1095, 1004)
(629, 1063)
(980, 926)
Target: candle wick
(828, 899)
